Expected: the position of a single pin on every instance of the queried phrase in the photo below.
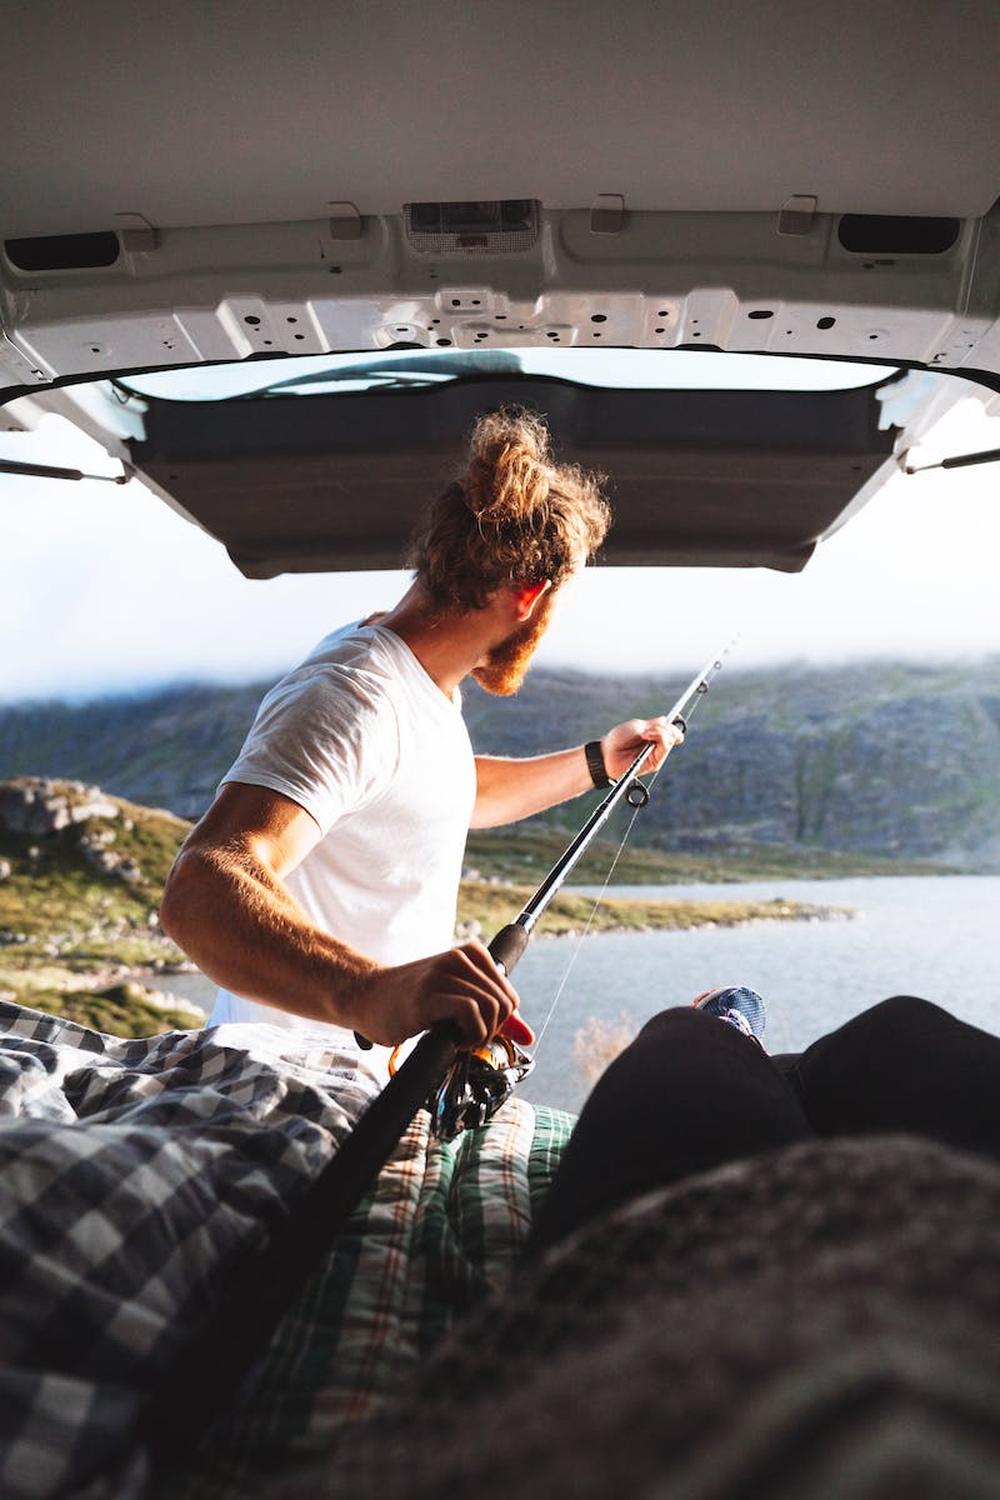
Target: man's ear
(526, 598)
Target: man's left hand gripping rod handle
(505, 950)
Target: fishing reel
(477, 1084)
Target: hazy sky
(105, 588)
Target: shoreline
(815, 915)
(486, 906)
(483, 906)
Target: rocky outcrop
(39, 806)
(108, 862)
(36, 805)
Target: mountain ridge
(893, 760)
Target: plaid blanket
(447, 1221)
(136, 1174)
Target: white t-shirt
(362, 738)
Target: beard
(506, 665)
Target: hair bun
(509, 471)
(514, 517)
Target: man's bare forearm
(240, 925)
(507, 790)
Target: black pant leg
(906, 1065)
(689, 1093)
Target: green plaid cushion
(446, 1221)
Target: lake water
(938, 937)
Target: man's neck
(446, 646)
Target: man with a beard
(320, 886)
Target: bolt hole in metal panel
(138, 291)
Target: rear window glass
(401, 370)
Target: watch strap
(595, 764)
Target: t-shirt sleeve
(325, 741)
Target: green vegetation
(78, 913)
(56, 905)
(125, 1010)
(526, 856)
(491, 906)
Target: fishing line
(593, 912)
(636, 809)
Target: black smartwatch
(595, 764)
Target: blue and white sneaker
(738, 1006)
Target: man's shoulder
(356, 648)
(326, 734)
(349, 669)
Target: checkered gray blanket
(136, 1174)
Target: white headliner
(244, 111)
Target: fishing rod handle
(508, 946)
(505, 951)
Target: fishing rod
(627, 788)
(462, 1090)
(478, 1082)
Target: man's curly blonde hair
(513, 517)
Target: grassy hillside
(487, 908)
(526, 852)
(57, 905)
(78, 905)
(884, 762)
(72, 931)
